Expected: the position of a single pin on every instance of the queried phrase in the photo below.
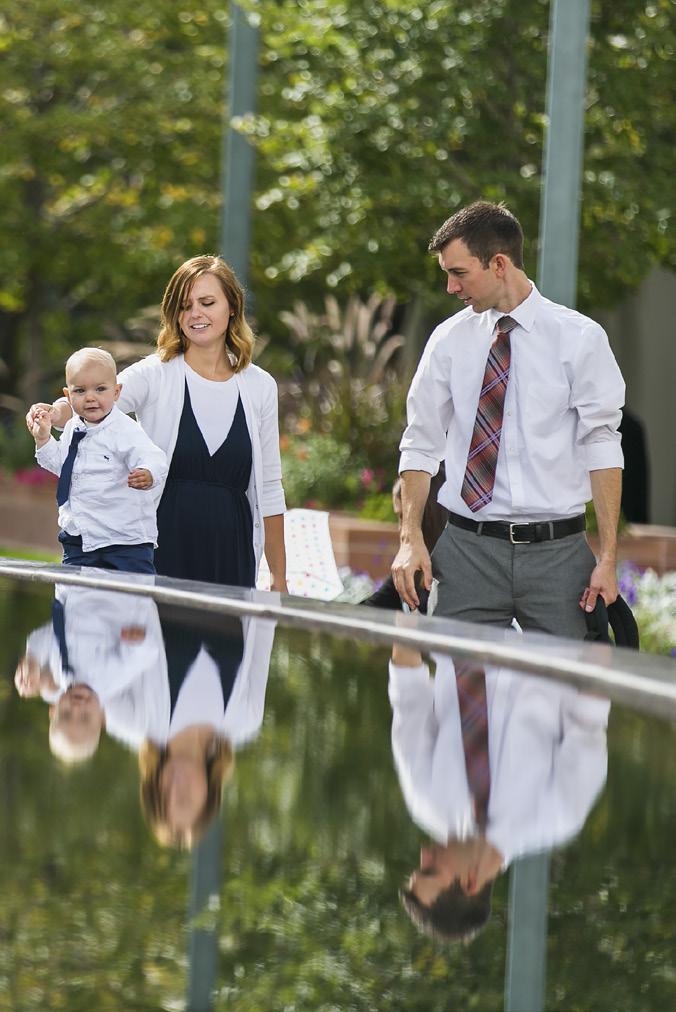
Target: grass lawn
(28, 553)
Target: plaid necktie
(471, 683)
(63, 488)
(482, 459)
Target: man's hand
(140, 478)
(603, 581)
(411, 558)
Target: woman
(214, 413)
(209, 703)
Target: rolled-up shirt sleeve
(597, 394)
(429, 409)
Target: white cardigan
(155, 391)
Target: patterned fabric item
(471, 683)
(63, 488)
(482, 459)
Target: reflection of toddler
(105, 464)
(33, 678)
(75, 724)
(97, 645)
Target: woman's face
(183, 784)
(205, 313)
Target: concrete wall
(641, 332)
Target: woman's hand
(58, 414)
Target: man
(522, 398)
(522, 782)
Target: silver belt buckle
(513, 539)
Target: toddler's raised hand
(41, 426)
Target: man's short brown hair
(485, 229)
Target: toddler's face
(92, 391)
(77, 718)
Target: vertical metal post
(557, 279)
(238, 154)
(527, 942)
(237, 184)
(560, 201)
(205, 886)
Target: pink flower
(366, 476)
(35, 476)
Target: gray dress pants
(491, 581)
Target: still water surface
(325, 809)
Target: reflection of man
(522, 398)
(547, 760)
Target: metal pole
(557, 279)
(560, 202)
(205, 886)
(527, 943)
(237, 177)
(238, 154)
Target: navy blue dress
(204, 525)
(182, 644)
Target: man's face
(477, 286)
(440, 867)
(472, 863)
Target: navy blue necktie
(59, 626)
(63, 488)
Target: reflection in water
(546, 764)
(183, 697)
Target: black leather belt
(521, 534)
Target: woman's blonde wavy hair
(219, 764)
(239, 337)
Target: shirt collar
(524, 314)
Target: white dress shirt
(101, 507)
(99, 655)
(547, 754)
(561, 413)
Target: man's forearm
(606, 493)
(415, 490)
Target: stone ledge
(368, 546)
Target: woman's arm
(59, 413)
(275, 552)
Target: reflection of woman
(207, 702)
(214, 414)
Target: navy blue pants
(125, 558)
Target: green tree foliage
(111, 117)
(379, 118)
(376, 118)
